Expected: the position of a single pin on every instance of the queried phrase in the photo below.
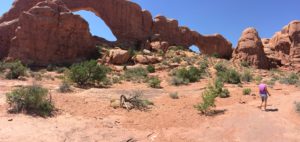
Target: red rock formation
(283, 47)
(250, 49)
(50, 34)
(130, 24)
(7, 30)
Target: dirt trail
(85, 115)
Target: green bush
(220, 67)
(154, 82)
(245, 64)
(174, 95)
(150, 68)
(247, 91)
(291, 79)
(185, 76)
(208, 98)
(51, 67)
(136, 74)
(16, 69)
(32, 99)
(229, 76)
(218, 89)
(88, 72)
(247, 76)
(176, 48)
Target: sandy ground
(85, 115)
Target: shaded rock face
(283, 49)
(250, 49)
(7, 30)
(130, 24)
(50, 34)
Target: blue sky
(227, 17)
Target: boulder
(250, 49)
(146, 59)
(159, 46)
(49, 33)
(118, 56)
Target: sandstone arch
(129, 23)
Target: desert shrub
(271, 82)
(15, 70)
(176, 81)
(258, 79)
(64, 87)
(247, 91)
(174, 95)
(51, 67)
(218, 89)
(136, 100)
(37, 76)
(32, 99)
(61, 69)
(176, 59)
(176, 48)
(215, 55)
(185, 76)
(220, 67)
(230, 76)
(247, 76)
(154, 82)
(291, 79)
(136, 74)
(88, 72)
(208, 98)
(116, 79)
(150, 68)
(245, 64)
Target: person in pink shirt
(264, 93)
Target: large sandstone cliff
(128, 22)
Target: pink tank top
(262, 88)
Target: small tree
(208, 98)
(88, 72)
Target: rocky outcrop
(7, 30)
(118, 56)
(250, 49)
(49, 33)
(146, 59)
(130, 24)
(283, 48)
(168, 30)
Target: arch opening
(97, 26)
(195, 49)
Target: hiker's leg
(262, 102)
(266, 101)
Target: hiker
(264, 93)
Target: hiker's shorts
(264, 97)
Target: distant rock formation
(128, 22)
(50, 33)
(284, 47)
(250, 49)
